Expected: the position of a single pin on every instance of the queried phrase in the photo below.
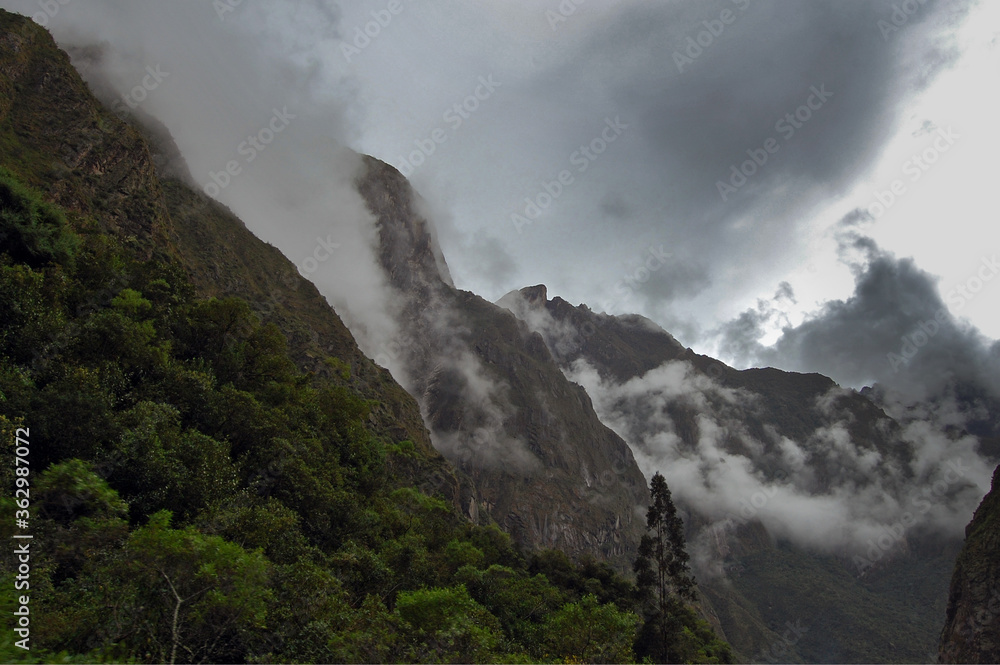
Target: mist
(827, 493)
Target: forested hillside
(216, 473)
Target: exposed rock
(972, 629)
(498, 406)
(750, 580)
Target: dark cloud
(680, 277)
(785, 292)
(615, 207)
(701, 121)
(689, 128)
(894, 330)
(688, 124)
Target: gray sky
(643, 109)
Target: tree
(588, 632)
(79, 515)
(202, 597)
(34, 231)
(662, 572)
(447, 625)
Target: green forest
(196, 497)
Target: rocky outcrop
(543, 465)
(673, 406)
(972, 628)
(111, 176)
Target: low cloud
(828, 491)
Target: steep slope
(545, 467)
(56, 137)
(201, 491)
(806, 504)
(972, 628)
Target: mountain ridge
(490, 392)
(662, 397)
(218, 473)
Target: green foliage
(446, 625)
(671, 632)
(33, 231)
(520, 601)
(589, 632)
(203, 595)
(80, 515)
(663, 552)
(198, 498)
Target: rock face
(738, 448)
(60, 139)
(972, 629)
(543, 465)
(541, 462)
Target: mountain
(496, 403)
(217, 473)
(972, 629)
(809, 509)
(201, 419)
(107, 170)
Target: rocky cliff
(498, 406)
(743, 452)
(104, 170)
(972, 629)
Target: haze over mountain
(656, 184)
(781, 472)
(803, 498)
(218, 473)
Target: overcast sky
(598, 147)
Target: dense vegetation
(197, 498)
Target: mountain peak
(535, 295)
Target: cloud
(469, 426)
(657, 184)
(895, 329)
(829, 491)
(687, 129)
